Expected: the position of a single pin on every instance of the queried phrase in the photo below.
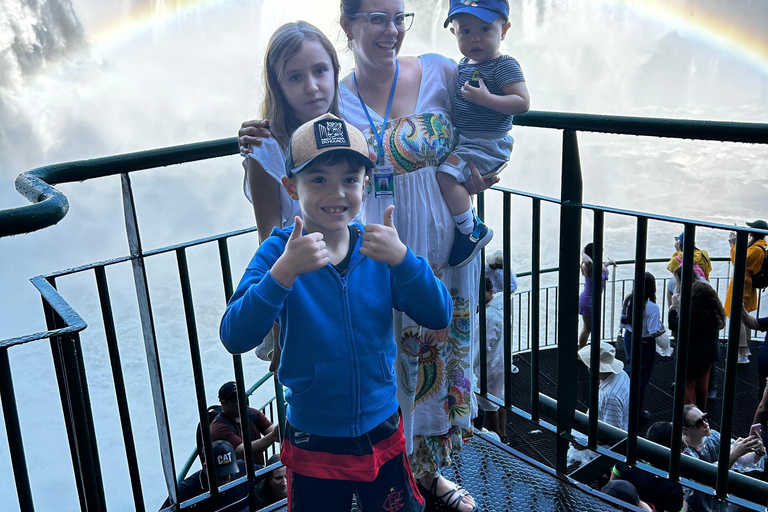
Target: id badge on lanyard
(383, 181)
(383, 176)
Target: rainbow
(707, 27)
(114, 34)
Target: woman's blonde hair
(284, 44)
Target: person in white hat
(494, 268)
(613, 401)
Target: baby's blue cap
(486, 10)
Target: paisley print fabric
(414, 142)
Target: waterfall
(32, 33)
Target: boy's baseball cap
(486, 10)
(321, 135)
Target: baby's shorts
(488, 150)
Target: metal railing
(571, 208)
(49, 206)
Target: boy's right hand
(251, 133)
(303, 254)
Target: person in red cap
(228, 426)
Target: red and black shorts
(324, 472)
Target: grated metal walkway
(518, 477)
(502, 480)
(524, 437)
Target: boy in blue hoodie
(332, 286)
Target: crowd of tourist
(706, 321)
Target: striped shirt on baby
(613, 401)
(496, 73)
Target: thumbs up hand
(303, 254)
(381, 243)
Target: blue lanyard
(379, 136)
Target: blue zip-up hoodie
(337, 339)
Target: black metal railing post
(76, 407)
(242, 403)
(534, 304)
(52, 323)
(594, 357)
(683, 346)
(481, 318)
(507, 291)
(197, 368)
(150, 339)
(731, 361)
(568, 318)
(638, 312)
(13, 432)
(117, 377)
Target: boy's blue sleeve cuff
(271, 291)
(408, 268)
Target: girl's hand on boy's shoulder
(251, 133)
(381, 242)
(302, 254)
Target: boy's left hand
(477, 94)
(381, 243)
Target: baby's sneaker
(466, 247)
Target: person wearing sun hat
(613, 401)
(756, 251)
(494, 268)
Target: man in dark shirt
(665, 496)
(228, 427)
(227, 469)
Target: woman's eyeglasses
(700, 422)
(379, 21)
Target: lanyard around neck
(379, 136)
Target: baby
(490, 90)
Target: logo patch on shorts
(331, 133)
(394, 501)
(300, 437)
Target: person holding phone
(703, 443)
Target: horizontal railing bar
(704, 472)
(653, 127)
(618, 262)
(50, 295)
(200, 241)
(633, 213)
(49, 205)
(153, 252)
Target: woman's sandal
(451, 499)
